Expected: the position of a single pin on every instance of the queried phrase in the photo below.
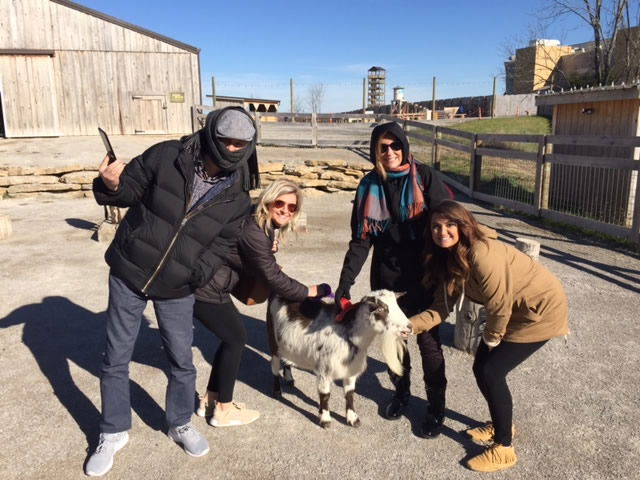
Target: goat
(307, 335)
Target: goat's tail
(394, 349)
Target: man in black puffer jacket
(187, 200)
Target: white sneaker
(192, 441)
(102, 459)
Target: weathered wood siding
(101, 74)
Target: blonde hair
(378, 163)
(270, 195)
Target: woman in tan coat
(525, 306)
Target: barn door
(29, 106)
(2, 130)
(149, 114)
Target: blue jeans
(124, 315)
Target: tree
(298, 105)
(607, 19)
(316, 97)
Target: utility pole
(364, 96)
(433, 100)
(293, 101)
(213, 91)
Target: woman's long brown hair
(450, 265)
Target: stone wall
(76, 181)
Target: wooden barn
(598, 129)
(66, 69)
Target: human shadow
(81, 224)
(59, 332)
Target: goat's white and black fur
(307, 335)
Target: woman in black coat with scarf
(389, 215)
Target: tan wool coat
(524, 301)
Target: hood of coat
(391, 128)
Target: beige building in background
(547, 65)
(532, 68)
(66, 69)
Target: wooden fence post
(434, 148)
(258, 128)
(194, 118)
(545, 176)
(314, 130)
(635, 224)
(5, 227)
(537, 194)
(476, 166)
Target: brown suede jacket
(524, 301)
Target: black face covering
(206, 141)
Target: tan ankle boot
(485, 433)
(495, 457)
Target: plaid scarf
(373, 214)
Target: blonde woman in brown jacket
(525, 306)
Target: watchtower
(376, 87)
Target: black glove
(324, 290)
(342, 292)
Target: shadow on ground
(59, 332)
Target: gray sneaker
(192, 442)
(102, 459)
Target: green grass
(515, 125)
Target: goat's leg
(324, 390)
(287, 375)
(275, 371)
(349, 384)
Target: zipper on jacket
(184, 221)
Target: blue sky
(253, 47)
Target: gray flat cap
(235, 124)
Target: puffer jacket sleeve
(135, 177)
(255, 249)
(492, 274)
(435, 315)
(357, 252)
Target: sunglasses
(292, 207)
(395, 146)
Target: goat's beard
(394, 349)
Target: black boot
(434, 419)
(400, 399)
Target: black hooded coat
(397, 252)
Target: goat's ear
(377, 306)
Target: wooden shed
(66, 69)
(609, 116)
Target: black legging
(433, 365)
(491, 368)
(224, 321)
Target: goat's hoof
(289, 383)
(325, 424)
(277, 394)
(355, 424)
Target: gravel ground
(576, 400)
